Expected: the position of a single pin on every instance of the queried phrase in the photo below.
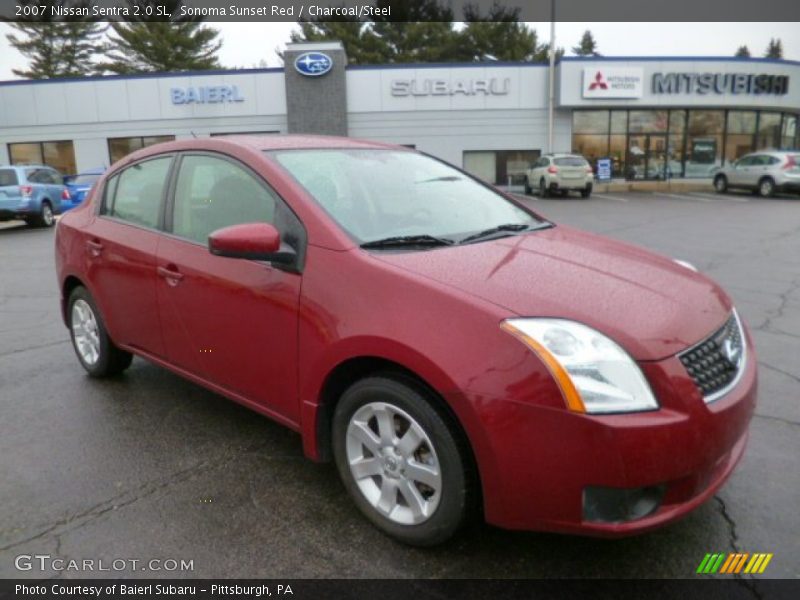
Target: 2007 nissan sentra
(452, 351)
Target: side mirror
(253, 241)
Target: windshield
(380, 194)
(86, 179)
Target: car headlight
(594, 373)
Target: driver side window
(212, 193)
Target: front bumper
(544, 459)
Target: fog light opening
(618, 505)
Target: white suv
(560, 173)
(764, 172)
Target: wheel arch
(70, 283)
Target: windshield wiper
(408, 240)
(505, 228)
(446, 178)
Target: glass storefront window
(789, 132)
(119, 148)
(741, 121)
(769, 129)
(619, 121)
(647, 121)
(677, 122)
(674, 156)
(737, 145)
(704, 142)
(59, 155)
(616, 150)
(590, 121)
(591, 147)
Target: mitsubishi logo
(732, 352)
(598, 82)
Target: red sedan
(451, 350)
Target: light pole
(552, 78)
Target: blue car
(33, 193)
(79, 185)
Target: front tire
(528, 188)
(94, 348)
(766, 187)
(721, 184)
(400, 461)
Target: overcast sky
(246, 44)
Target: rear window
(8, 177)
(571, 161)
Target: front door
(647, 156)
(232, 322)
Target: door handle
(94, 248)
(171, 274)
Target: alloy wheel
(85, 332)
(394, 463)
(47, 214)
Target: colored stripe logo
(734, 562)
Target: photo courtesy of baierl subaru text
(383, 299)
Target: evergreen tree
(499, 36)
(743, 52)
(56, 48)
(774, 49)
(150, 45)
(425, 32)
(587, 46)
(360, 43)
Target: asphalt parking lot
(151, 466)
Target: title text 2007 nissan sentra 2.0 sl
(452, 351)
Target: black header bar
(400, 10)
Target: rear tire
(94, 348)
(585, 193)
(46, 217)
(544, 192)
(381, 464)
(766, 187)
(721, 184)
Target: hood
(647, 303)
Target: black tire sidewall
(771, 190)
(454, 503)
(724, 184)
(103, 364)
(542, 189)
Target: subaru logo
(313, 64)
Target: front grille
(715, 363)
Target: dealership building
(654, 117)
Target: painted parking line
(688, 198)
(720, 197)
(615, 198)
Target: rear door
(232, 322)
(120, 247)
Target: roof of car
(294, 142)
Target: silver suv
(764, 172)
(560, 173)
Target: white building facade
(654, 117)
